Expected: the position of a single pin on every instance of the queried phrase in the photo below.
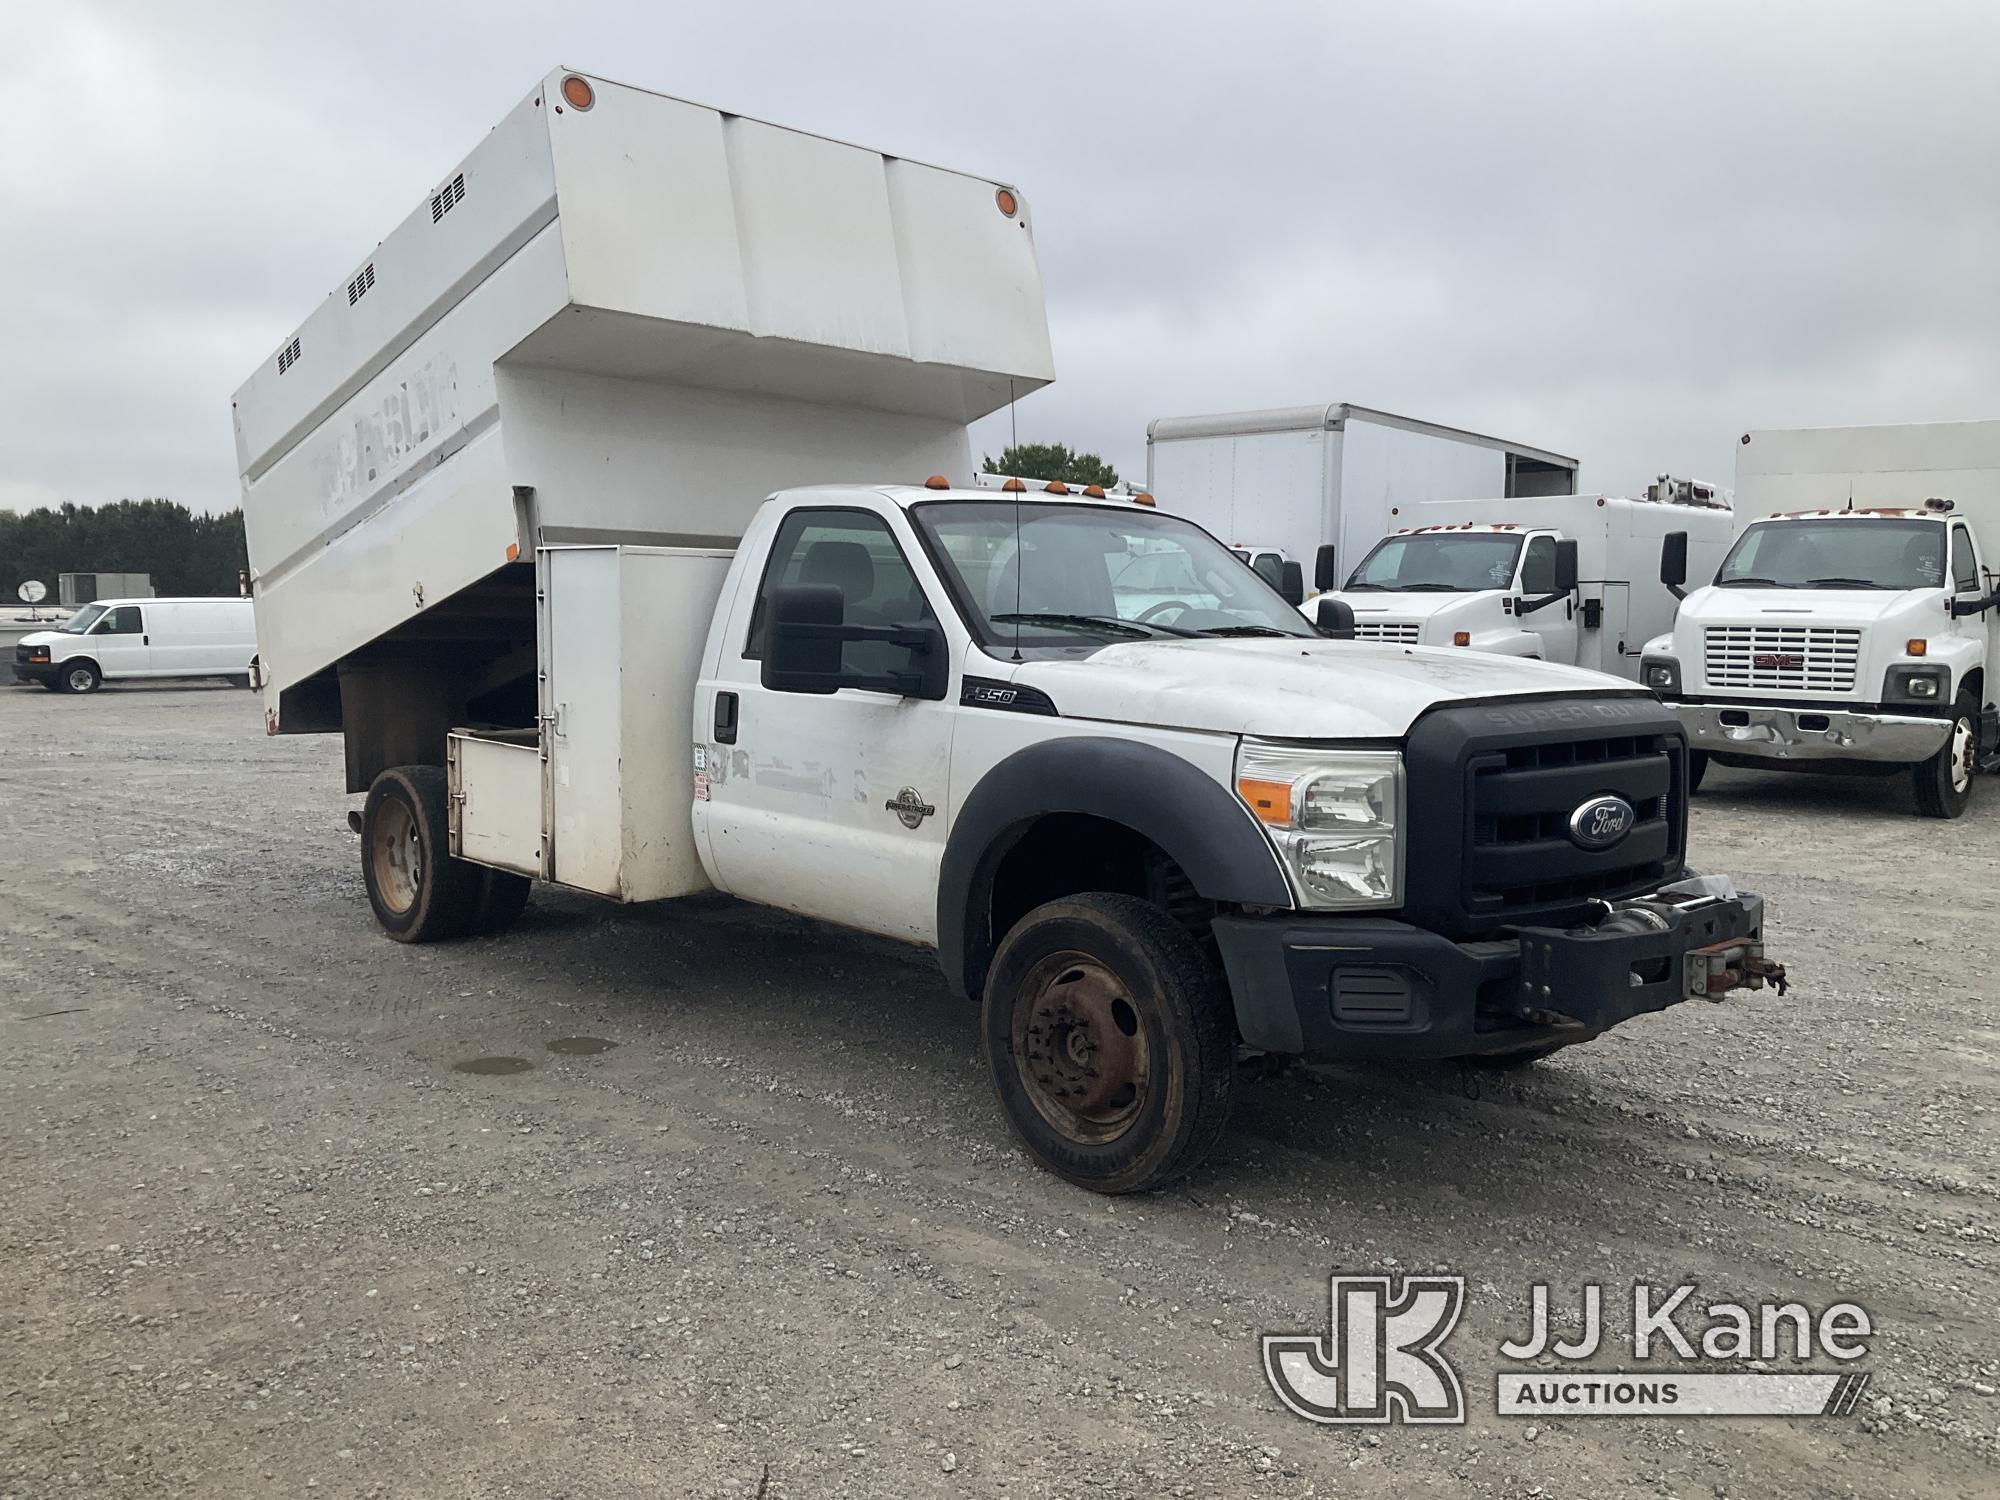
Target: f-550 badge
(909, 807)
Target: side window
(1964, 562)
(1538, 566)
(124, 620)
(1271, 568)
(854, 552)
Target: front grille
(1492, 788)
(1795, 658)
(1377, 630)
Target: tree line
(185, 553)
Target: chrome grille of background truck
(1797, 658)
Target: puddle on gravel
(492, 1065)
(580, 1046)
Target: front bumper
(1334, 987)
(40, 671)
(1762, 731)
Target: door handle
(145, 640)
(725, 718)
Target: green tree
(183, 552)
(1047, 461)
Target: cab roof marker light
(1142, 498)
(1055, 487)
(1014, 487)
(1094, 491)
(937, 482)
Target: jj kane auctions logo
(1382, 1357)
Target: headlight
(1334, 815)
(1662, 674)
(1917, 684)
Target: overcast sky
(1622, 230)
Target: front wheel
(1944, 782)
(79, 676)
(419, 892)
(1110, 1042)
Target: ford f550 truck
(576, 512)
(1852, 625)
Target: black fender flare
(1198, 822)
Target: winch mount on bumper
(1367, 987)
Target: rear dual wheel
(1110, 1042)
(419, 892)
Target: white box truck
(1568, 578)
(1852, 626)
(512, 515)
(1291, 479)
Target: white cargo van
(1853, 625)
(113, 640)
(1568, 578)
(514, 534)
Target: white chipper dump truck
(617, 513)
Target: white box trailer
(623, 320)
(1297, 477)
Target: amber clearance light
(577, 92)
(1007, 202)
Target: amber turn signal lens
(1009, 204)
(1271, 801)
(1916, 647)
(577, 92)
(1463, 638)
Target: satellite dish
(34, 591)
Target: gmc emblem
(1779, 661)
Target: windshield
(1461, 562)
(1877, 553)
(82, 620)
(1091, 574)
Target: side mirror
(1565, 565)
(1324, 575)
(808, 628)
(802, 640)
(1674, 563)
(1336, 618)
(1293, 586)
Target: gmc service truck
(1852, 625)
(511, 510)
(1569, 578)
(1287, 481)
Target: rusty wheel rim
(397, 855)
(1080, 1048)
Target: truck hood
(40, 638)
(1370, 604)
(1302, 688)
(1827, 607)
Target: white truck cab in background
(608, 515)
(1289, 480)
(1566, 578)
(1852, 626)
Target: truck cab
(1842, 640)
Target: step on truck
(617, 513)
(1852, 625)
(1566, 578)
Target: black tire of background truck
(1501, 1062)
(503, 896)
(1176, 1014)
(79, 676)
(419, 892)
(1934, 780)
(240, 680)
(1697, 768)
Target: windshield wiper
(1105, 624)
(1844, 583)
(1245, 630)
(1429, 588)
(1376, 588)
(1747, 582)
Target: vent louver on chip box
(446, 197)
(288, 356)
(358, 287)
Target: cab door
(830, 804)
(120, 644)
(1969, 583)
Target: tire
(419, 892)
(1944, 782)
(1113, 981)
(502, 897)
(1697, 768)
(79, 675)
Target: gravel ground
(262, 1236)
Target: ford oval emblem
(1601, 822)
